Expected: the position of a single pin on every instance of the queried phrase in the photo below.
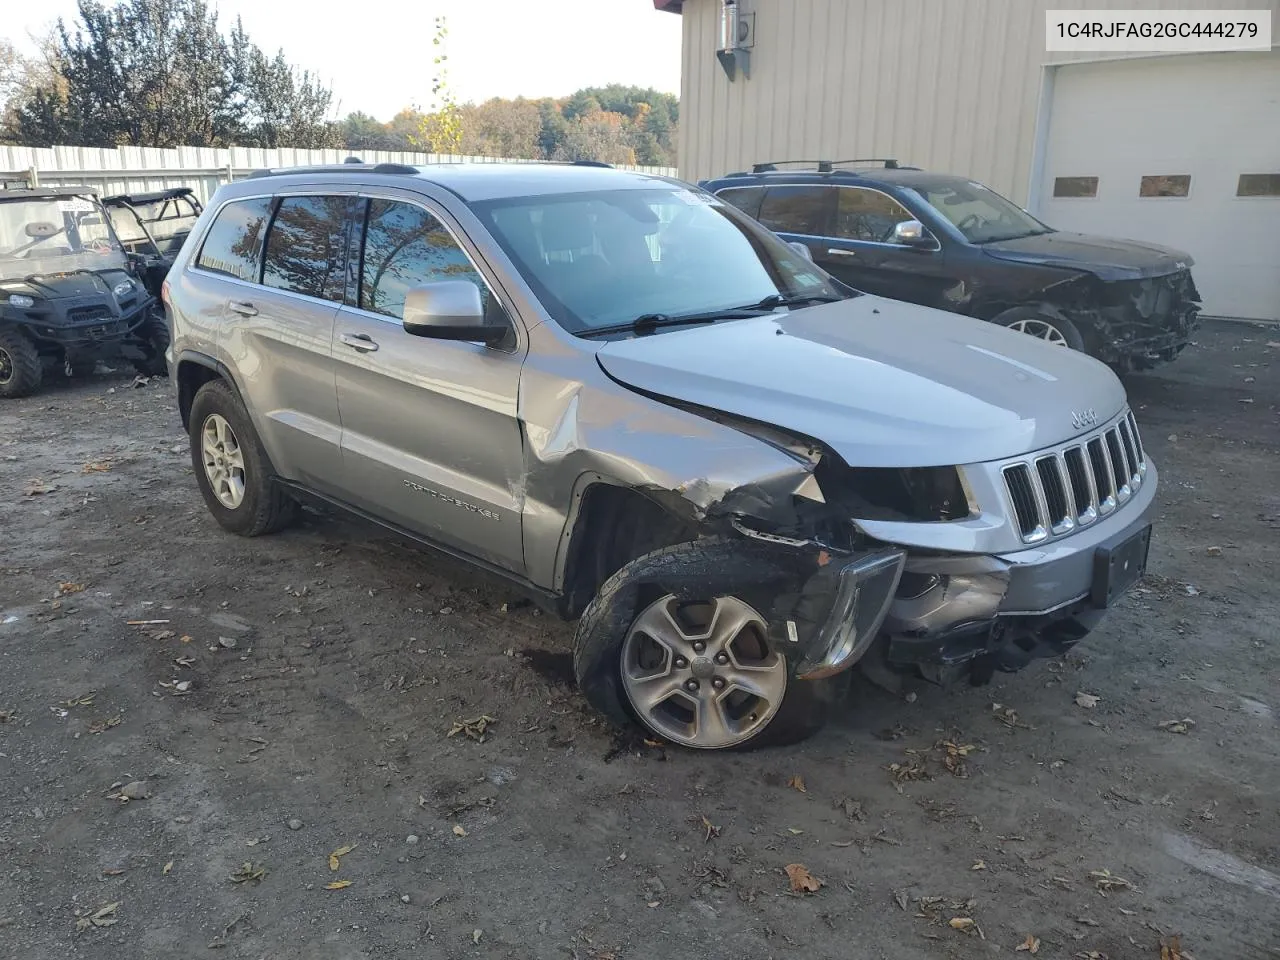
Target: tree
(360, 131)
(554, 128)
(161, 73)
(501, 128)
(440, 131)
(599, 136)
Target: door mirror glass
(802, 249)
(449, 310)
(911, 233)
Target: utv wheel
(1055, 330)
(678, 641)
(235, 477)
(20, 368)
(154, 334)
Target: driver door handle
(837, 252)
(243, 307)
(359, 341)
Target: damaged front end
(1136, 323)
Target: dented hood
(883, 383)
(1107, 258)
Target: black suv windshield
(57, 234)
(605, 258)
(981, 214)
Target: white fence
(138, 169)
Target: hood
(883, 383)
(1105, 257)
(56, 286)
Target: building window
(1258, 185)
(1168, 185)
(1070, 187)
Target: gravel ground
(175, 789)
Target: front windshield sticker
(75, 205)
(697, 199)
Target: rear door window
(868, 215)
(306, 247)
(746, 199)
(805, 209)
(233, 245)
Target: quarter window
(1169, 185)
(233, 245)
(406, 246)
(798, 209)
(746, 199)
(1075, 187)
(306, 247)
(868, 215)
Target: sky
(376, 54)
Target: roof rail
(826, 166)
(347, 166)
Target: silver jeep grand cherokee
(654, 415)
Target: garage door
(1182, 151)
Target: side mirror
(450, 310)
(801, 248)
(911, 233)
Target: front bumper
(103, 324)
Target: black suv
(952, 243)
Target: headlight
(21, 301)
(123, 288)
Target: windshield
(55, 235)
(604, 258)
(982, 215)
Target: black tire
(1037, 315)
(20, 368)
(702, 569)
(154, 334)
(266, 507)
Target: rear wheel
(20, 368)
(154, 334)
(1055, 330)
(678, 641)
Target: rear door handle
(359, 341)
(837, 252)
(244, 308)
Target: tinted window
(746, 199)
(1075, 186)
(405, 246)
(798, 209)
(234, 243)
(1258, 185)
(306, 247)
(980, 214)
(868, 215)
(1168, 185)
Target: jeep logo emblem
(1084, 418)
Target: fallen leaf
(963, 924)
(184, 661)
(102, 726)
(979, 865)
(900, 898)
(248, 873)
(96, 466)
(458, 831)
(474, 728)
(1171, 947)
(1087, 921)
(167, 868)
(1008, 716)
(102, 917)
(1176, 726)
(852, 809)
(476, 935)
(338, 885)
(112, 873)
(1087, 700)
(797, 783)
(712, 831)
(1030, 945)
(36, 488)
(1214, 551)
(1107, 881)
(337, 855)
(66, 587)
(953, 757)
(802, 881)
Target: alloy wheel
(703, 674)
(223, 461)
(1041, 329)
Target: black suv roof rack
(828, 166)
(10, 193)
(345, 167)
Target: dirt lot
(315, 677)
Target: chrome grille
(1057, 491)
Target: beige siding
(946, 84)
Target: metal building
(1179, 149)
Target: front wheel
(679, 641)
(1053, 329)
(20, 368)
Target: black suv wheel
(20, 367)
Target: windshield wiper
(781, 300)
(649, 322)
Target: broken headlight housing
(920, 494)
